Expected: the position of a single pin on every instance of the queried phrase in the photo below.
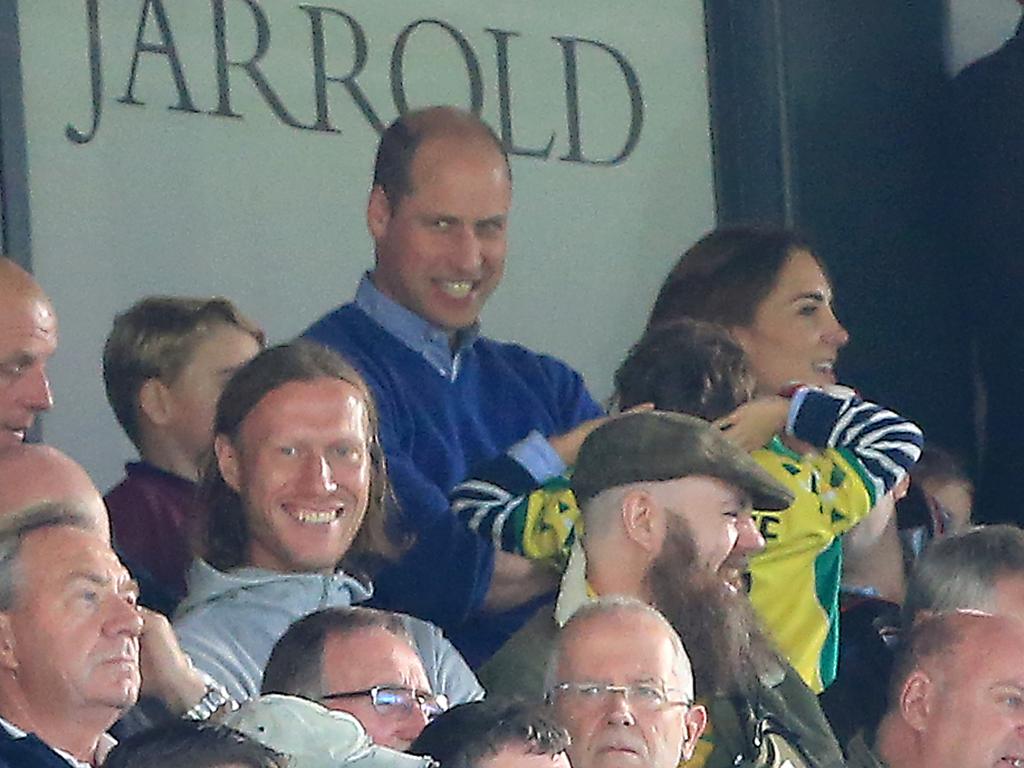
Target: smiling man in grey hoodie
(295, 493)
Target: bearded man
(666, 502)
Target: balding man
(28, 338)
(448, 397)
(622, 684)
(37, 474)
(666, 506)
(957, 697)
(69, 640)
(35, 477)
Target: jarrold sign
(205, 147)
(329, 27)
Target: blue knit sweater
(434, 429)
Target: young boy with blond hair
(165, 364)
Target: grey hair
(15, 527)
(617, 605)
(960, 572)
(295, 666)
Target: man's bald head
(399, 143)
(14, 279)
(31, 475)
(28, 338)
(960, 673)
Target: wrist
(186, 693)
(214, 698)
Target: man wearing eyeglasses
(361, 661)
(621, 683)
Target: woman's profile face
(794, 336)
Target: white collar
(574, 592)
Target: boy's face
(192, 395)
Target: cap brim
(771, 499)
(765, 492)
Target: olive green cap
(655, 446)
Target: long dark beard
(718, 627)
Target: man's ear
(695, 721)
(228, 461)
(8, 656)
(154, 401)
(641, 520)
(917, 698)
(378, 213)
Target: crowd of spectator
(395, 542)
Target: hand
(754, 423)
(518, 580)
(167, 672)
(567, 445)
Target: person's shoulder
(150, 487)
(991, 73)
(522, 357)
(519, 666)
(27, 752)
(341, 319)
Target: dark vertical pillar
(15, 231)
(826, 116)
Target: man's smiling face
(301, 464)
(441, 248)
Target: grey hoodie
(229, 622)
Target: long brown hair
(224, 535)
(724, 276)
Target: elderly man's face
(441, 248)
(28, 338)
(975, 709)
(358, 661)
(72, 636)
(612, 729)
(301, 464)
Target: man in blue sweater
(448, 397)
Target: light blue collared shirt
(433, 343)
(533, 452)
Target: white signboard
(225, 147)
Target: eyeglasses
(646, 697)
(393, 700)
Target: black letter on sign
(573, 102)
(501, 37)
(323, 119)
(476, 88)
(166, 48)
(250, 67)
(72, 133)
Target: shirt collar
(143, 467)
(105, 744)
(575, 591)
(412, 330)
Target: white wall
(273, 217)
(978, 27)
